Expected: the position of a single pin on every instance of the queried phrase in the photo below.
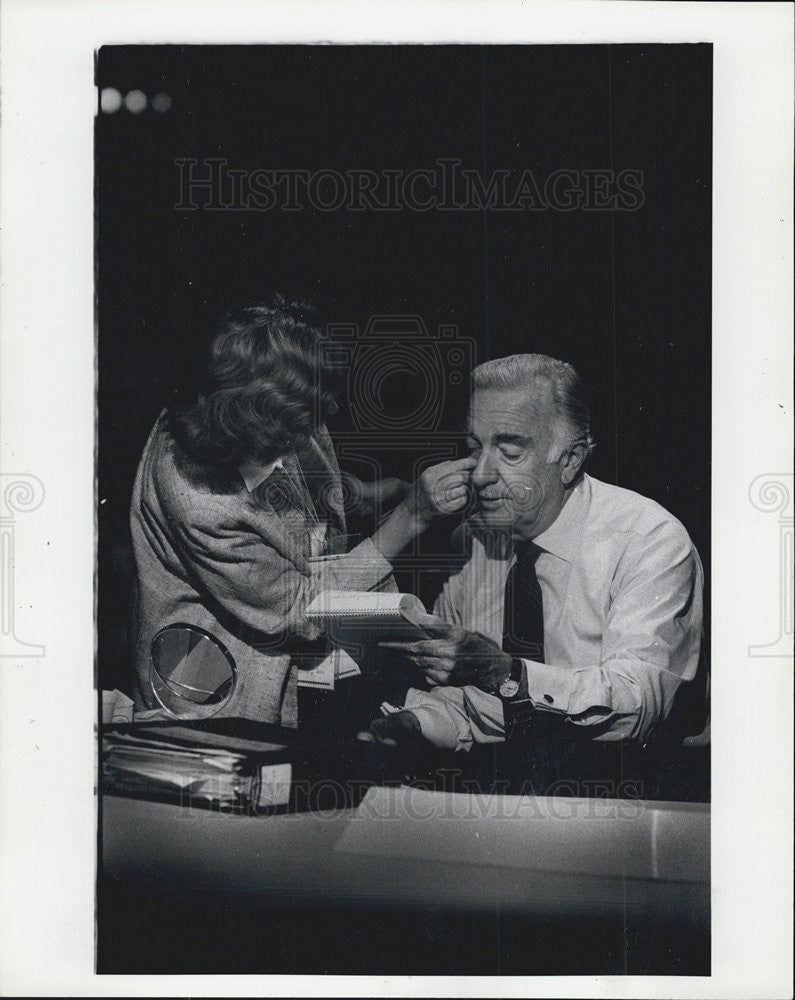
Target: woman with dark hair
(238, 489)
(263, 385)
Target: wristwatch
(509, 688)
(519, 713)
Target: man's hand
(452, 656)
(395, 729)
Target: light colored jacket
(234, 563)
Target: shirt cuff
(549, 687)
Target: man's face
(511, 434)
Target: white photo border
(48, 841)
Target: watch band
(519, 718)
(518, 713)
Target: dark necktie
(523, 623)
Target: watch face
(509, 688)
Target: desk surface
(404, 846)
(410, 882)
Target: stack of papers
(195, 768)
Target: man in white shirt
(607, 599)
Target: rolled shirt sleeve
(453, 718)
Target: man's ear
(572, 461)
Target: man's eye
(512, 454)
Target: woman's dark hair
(263, 387)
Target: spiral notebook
(384, 615)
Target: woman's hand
(441, 490)
(365, 499)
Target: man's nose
(484, 472)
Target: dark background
(624, 296)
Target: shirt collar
(254, 475)
(562, 538)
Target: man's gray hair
(519, 371)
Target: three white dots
(135, 101)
